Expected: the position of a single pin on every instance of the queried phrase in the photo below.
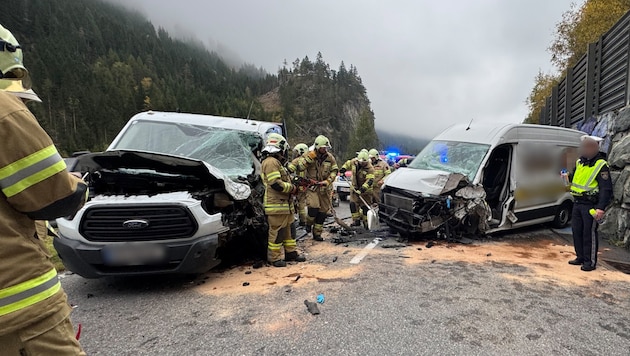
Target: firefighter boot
(279, 263)
(294, 256)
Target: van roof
(261, 127)
(496, 133)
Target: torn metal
(423, 201)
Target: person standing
(277, 202)
(591, 188)
(320, 166)
(299, 150)
(34, 185)
(361, 190)
(381, 170)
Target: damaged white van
(171, 194)
(483, 178)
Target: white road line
(365, 251)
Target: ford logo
(135, 224)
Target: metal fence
(596, 84)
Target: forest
(95, 65)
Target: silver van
(483, 178)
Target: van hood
(424, 181)
(130, 161)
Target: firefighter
(592, 189)
(277, 202)
(362, 183)
(35, 185)
(299, 150)
(320, 166)
(381, 170)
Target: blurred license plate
(133, 254)
(344, 189)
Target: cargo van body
(483, 178)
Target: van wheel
(563, 215)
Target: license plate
(133, 254)
(344, 189)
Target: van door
(537, 182)
(496, 181)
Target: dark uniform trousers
(585, 239)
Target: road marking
(365, 251)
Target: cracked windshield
(452, 157)
(227, 150)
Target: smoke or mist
(426, 64)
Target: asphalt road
(513, 295)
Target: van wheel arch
(563, 215)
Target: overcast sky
(426, 64)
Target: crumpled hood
(424, 181)
(162, 163)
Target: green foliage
(95, 65)
(364, 135)
(543, 85)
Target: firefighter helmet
(275, 143)
(11, 60)
(374, 153)
(301, 148)
(322, 141)
(363, 156)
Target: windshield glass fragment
(452, 157)
(228, 150)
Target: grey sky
(426, 64)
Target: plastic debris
(334, 259)
(311, 307)
(320, 298)
(245, 284)
(298, 277)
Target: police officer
(381, 170)
(320, 166)
(34, 185)
(592, 189)
(362, 183)
(299, 150)
(277, 202)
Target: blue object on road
(320, 299)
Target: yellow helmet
(374, 153)
(363, 156)
(11, 59)
(322, 141)
(275, 143)
(301, 148)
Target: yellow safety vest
(30, 292)
(584, 180)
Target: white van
(483, 178)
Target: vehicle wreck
(174, 193)
(483, 178)
(440, 201)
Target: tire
(563, 215)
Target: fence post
(590, 81)
(568, 101)
(554, 106)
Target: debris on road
(489, 254)
(258, 264)
(298, 277)
(334, 259)
(393, 245)
(90, 295)
(248, 272)
(320, 298)
(311, 307)
(245, 284)
(430, 244)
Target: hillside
(95, 65)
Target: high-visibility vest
(584, 180)
(30, 292)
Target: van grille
(399, 202)
(107, 224)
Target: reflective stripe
(28, 293)
(290, 243)
(273, 246)
(30, 170)
(273, 176)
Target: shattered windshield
(452, 157)
(228, 150)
